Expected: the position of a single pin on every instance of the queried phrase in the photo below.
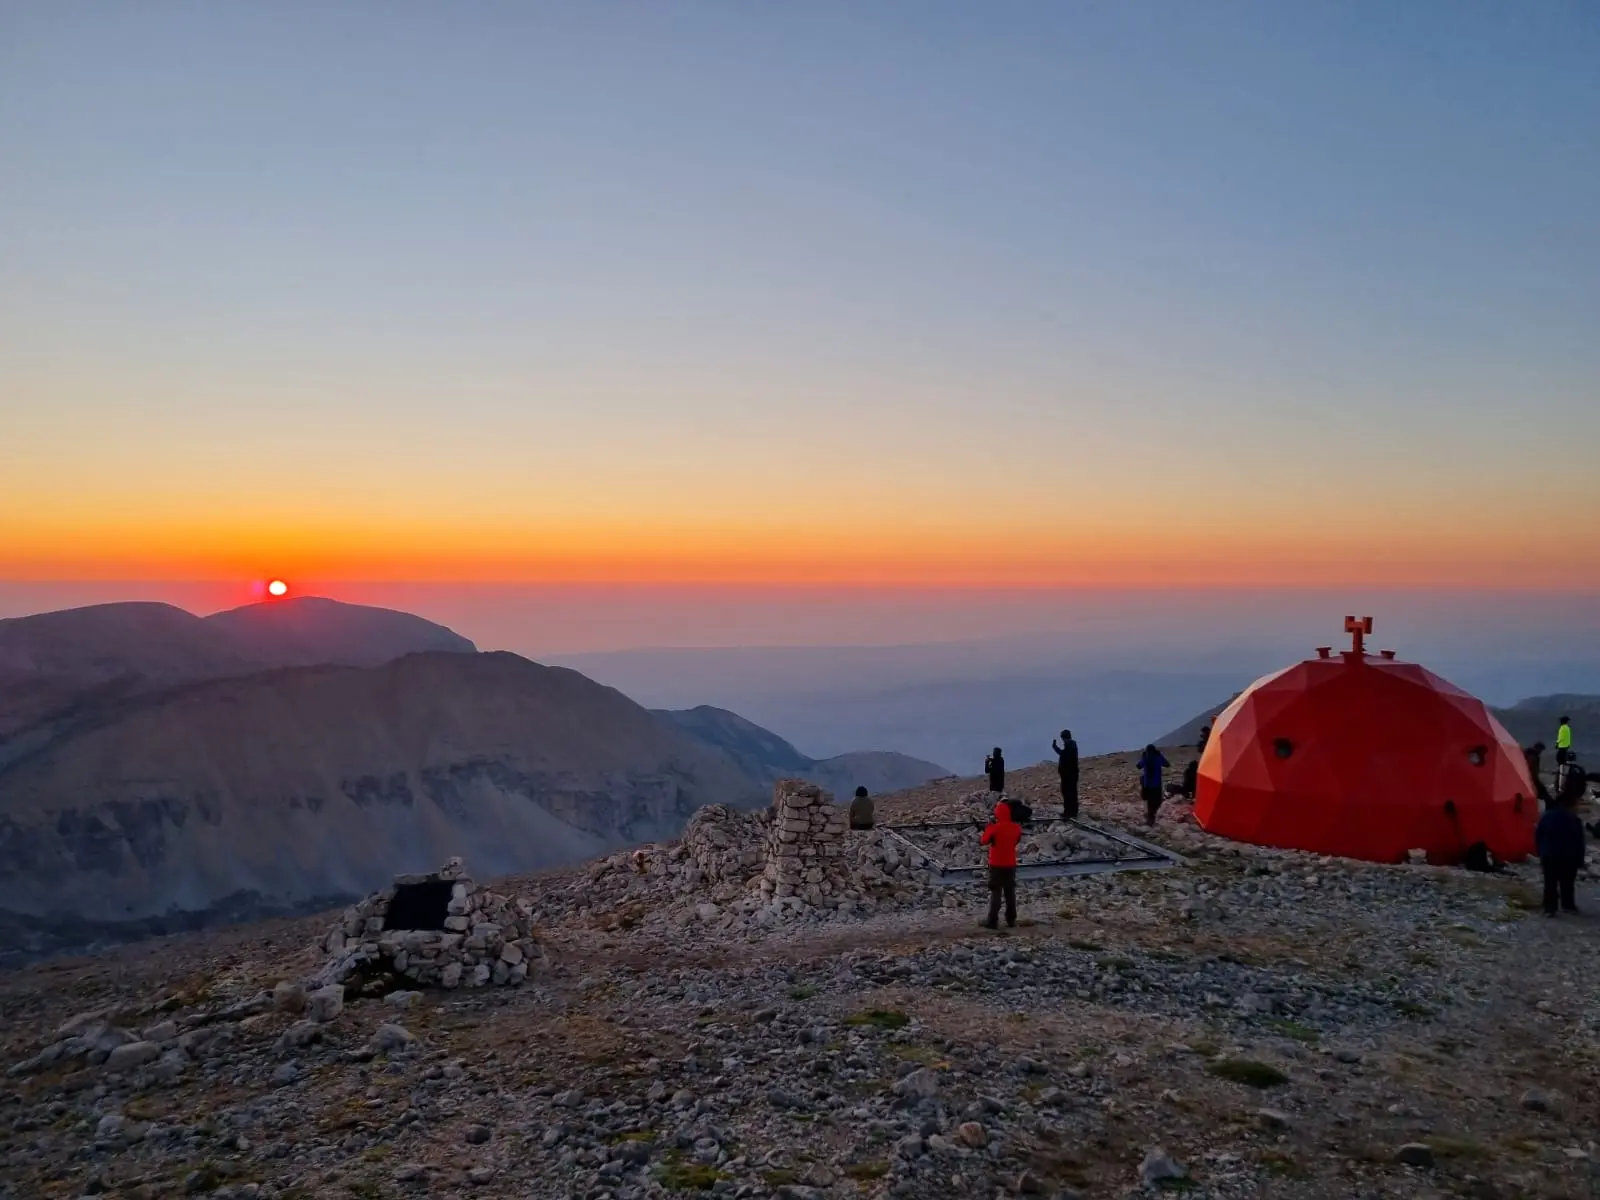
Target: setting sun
(277, 588)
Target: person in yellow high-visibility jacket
(1563, 741)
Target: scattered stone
(1272, 1120)
(326, 1003)
(1415, 1154)
(477, 1135)
(390, 1038)
(1157, 1168)
(289, 997)
(921, 1084)
(133, 1054)
(972, 1134)
(1533, 1100)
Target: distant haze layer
(944, 674)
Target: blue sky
(503, 274)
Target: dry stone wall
(486, 939)
(805, 845)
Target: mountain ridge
(766, 756)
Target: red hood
(1002, 813)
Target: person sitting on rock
(995, 767)
(1150, 765)
(1191, 780)
(861, 810)
(1002, 836)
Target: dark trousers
(1560, 876)
(1002, 883)
(1152, 803)
(997, 782)
(1562, 756)
(1069, 797)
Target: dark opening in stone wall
(419, 905)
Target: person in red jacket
(1002, 836)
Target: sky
(909, 295)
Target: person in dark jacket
(1002, 836)
(1151, 763)
(1571, 783)
(1559, 837)
(995, 768)
(861, 810)
(1205, 738)
(1191, 780)
(1534, 756)
(1067, 764)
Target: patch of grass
(1410, 1008)
(1295, 1030)
(637, 1135)
(1238, 959)
(1168, 956)
(878, 1018)
(863, 1171)
(377, 1153)
(1445, 1147)
(1248, 1072)
(926, 1055)
(804, 992)
(678, 1176)
(1115, 962)
(1421, 958)
(1283, 1165)
(777, 1179)
(1084, 944)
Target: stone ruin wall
(487, 938)
(805, 845)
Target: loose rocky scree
(696, 1022)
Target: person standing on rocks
(995, 767)
(1002, 836)
(861, 810)
(1560, 841)
(1204, 740)
(1067, 764)
(1563, 741)
(1150, 765)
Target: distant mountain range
(160, 770)
(764, 755)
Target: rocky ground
(1255, 1024)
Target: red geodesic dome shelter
(1363, 756)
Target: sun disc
(278, 588)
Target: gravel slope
(1259, 1024)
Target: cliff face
(301, 784)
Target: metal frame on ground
(1143, 857)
